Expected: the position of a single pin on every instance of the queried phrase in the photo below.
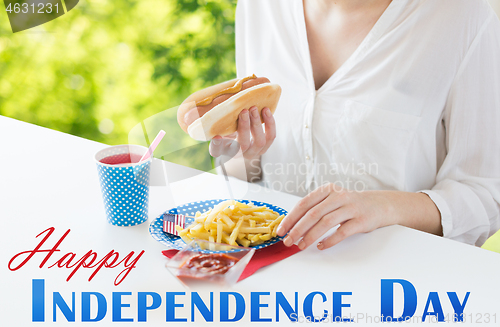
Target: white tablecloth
(49, 179)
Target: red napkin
(261, 258)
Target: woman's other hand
(355, 212)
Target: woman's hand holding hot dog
(230, 115)
(250, 136)
(356, 212)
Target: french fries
(233, 223)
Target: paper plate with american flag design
(183, 213)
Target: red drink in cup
(119, 159)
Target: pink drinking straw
(153, 146)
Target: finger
(231, 136)
(244, 130)
(327, 222)
(216, 146)
(350, 227)
(230, 148)
(301, 208)
(191, 116)
(270, 126)
(259, 138)
(311, 218)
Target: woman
(390, 114)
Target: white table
(49, 179)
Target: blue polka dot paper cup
(124, 184)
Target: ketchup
(209, 264)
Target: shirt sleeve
(467, 190)
(241, 38)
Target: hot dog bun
(189, 103)
(222, 119)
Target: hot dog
(214, 110)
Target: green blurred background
(107, 65)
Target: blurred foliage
(102, 68)
(493, 243)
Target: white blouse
(415, 108)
